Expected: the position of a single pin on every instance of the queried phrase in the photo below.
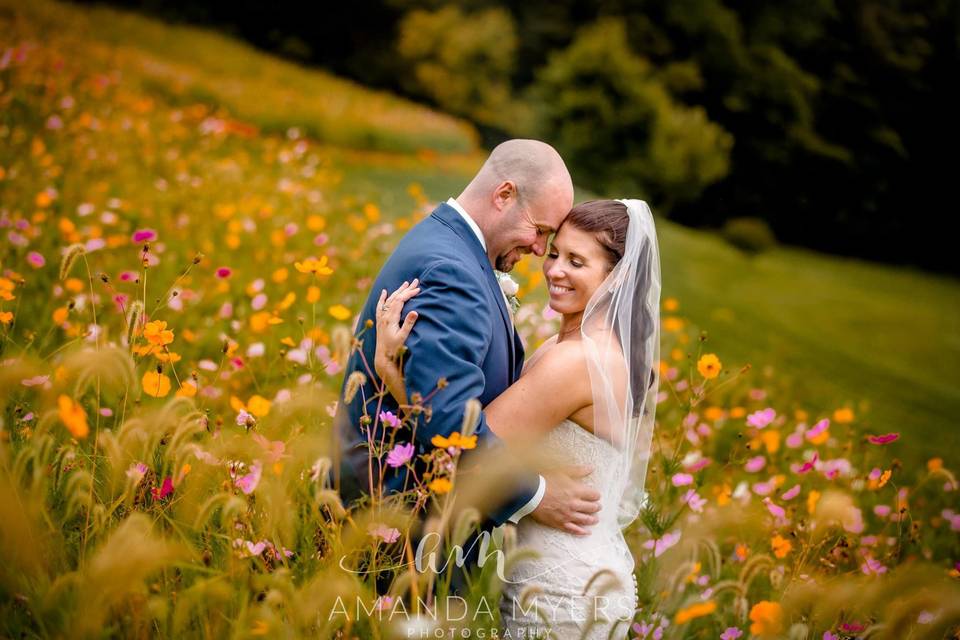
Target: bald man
(464, 332)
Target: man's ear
(504, 193)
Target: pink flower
(693, 499)
(400, 455)
(245, 418)
(255, 549)
(817, 429)
(731, 633)
(884, 439)
(390, 419)
(830, 636)
(775, 510)
(249, 482)
(273, 449)
(682, 479)
(136, 471)
(36, 260)
(144, 235)
(791, 493)
(385, 533)
(224, 272)
(760, 419)
(662, 544)
(127, 276)
(852, 627)
(35, 381)
(755, 464)
(698, 465)
(882, 510)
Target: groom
(464, 332)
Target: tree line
(833, 121)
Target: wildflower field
(187, 230)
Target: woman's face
(576, 264)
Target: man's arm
(450, 340)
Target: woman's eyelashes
(574, 261)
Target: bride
(599, 375)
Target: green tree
(461, 61)
(619, 127)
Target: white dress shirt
(538, 496)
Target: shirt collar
(470, 222)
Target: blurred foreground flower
(73, 416)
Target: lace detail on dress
(553, 584)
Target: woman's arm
(554, 388)
(391, 335)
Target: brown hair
(607, 220)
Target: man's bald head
(520, 195)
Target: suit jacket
(463, 333)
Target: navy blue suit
(463, 334)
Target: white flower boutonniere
(510, 288)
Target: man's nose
(539, 247)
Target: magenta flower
(164, 490)
(681, 479)
(731, 633)
(830, 636)
(224, 272)
(698, 465)
(390, 419)
(400, 455)
(144, 235)
(755, 464)
(248, 483)
(882, 510)
(800, 469)
(36, 260)
(884, 439)
(760, 419)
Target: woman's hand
(391, 336)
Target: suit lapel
(449, 216)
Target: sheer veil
(621, 338)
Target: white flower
(508, 285)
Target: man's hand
(568, 504)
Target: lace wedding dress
(544, 597)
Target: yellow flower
(767, 618)
(155, 384)
(156, 332)
(843, 416)
(440, 486)
(339, 312)
(73, 416)
(455, 440)
(258, 406)
(695, 611)
(884, 477)
(6, 317)
(168, 356)
(781, 546)
(314, 266)
(709, 366)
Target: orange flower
(314, 266)
(155, 384)
(671, 304)
(440, 486)
(156, 332)
(843, 416)
(767, 618)
(6, 317)
(187, 390)
(672, 324)
(709, 366)
(73, 416)
(455, 440)
(812, 498)
(781, 546)
(934, 464)
(695, 611)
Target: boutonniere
(510, 288)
